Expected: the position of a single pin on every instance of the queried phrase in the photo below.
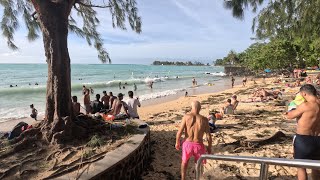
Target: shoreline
(204, 90)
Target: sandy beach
(251, 122)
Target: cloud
(171, 29)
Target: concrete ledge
(126, 162)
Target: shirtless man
(234, 102)
(117, 105)
(307, 140)
(84, 89)
(75, 106)
(194, 127)
(112, 98)
(105, 100)
(86, 101)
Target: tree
(53, 18)
(218, 62)
(291, 20)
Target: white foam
(160, 94)
(216, 73)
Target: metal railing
(264, 162)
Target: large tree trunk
(53, 19)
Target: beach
(252, 121)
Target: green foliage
(95, 141)
(273, 55)
(231, 59)
(291, 26)
(122, 12)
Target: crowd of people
(107, 104)
(306, 111)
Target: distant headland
(179, 63)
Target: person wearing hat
(118, 104)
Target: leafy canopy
(292, 22)
(122, 12)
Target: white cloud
(171, 28)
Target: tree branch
(75, 7)
(91, 5)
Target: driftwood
(242, 145)
(257, 143)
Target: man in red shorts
(194, 126)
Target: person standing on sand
(244, 81)
(86, 101)
(194, 126)
(34, 112)
(84, 89)
(307, 139)
(232, 81)
(105, 100)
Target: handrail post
(263, 171)
(198, 171)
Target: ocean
(168, 80)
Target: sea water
(168, 80)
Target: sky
(171, 30)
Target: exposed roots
(63, 169)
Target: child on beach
(34, 112)
(212, 122)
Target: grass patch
(95, 141)
(88, 153)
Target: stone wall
(125, 162)
(130, 167)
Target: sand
(253, 121)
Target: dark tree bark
(53, 18)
